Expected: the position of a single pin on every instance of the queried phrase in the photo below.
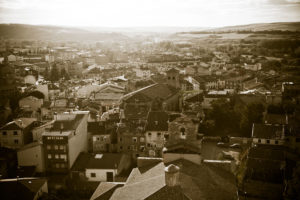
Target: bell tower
(173, 78)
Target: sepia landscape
(154, 100)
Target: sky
(148, 13)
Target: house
(100, 167)
(65, 140)
(17, 133)
(101, 137)
(32, 101)
(156, 128)
(268, 134)
(32, 155)
(131, 138)
(173, 78)
(182, 128)
(23, 188)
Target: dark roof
(267, 152)
(267, 131)
(157, 121)
(162, 91)
(97, 161)
(67, 125)
(36, 94)
(182, 147)
(21, 188)
(96, 128)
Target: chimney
(172, 175)
(61, 126)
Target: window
(57, 165)
(169, 77)
(56, 147)
(16, 141)
(98, 138)
(142, 139)
(259, 140)
(4, 133)
(121, 147)
(56, 156)
(276, 141)
(48, 147)
(49, 156)
(15, 132)
(158, 134)
(268, 141)
(128, 147)
(148, 145)
(93, 175)
(149, 134)
(63, 156)
(142, 148)
(134, 139)
(182, 130)
(61, 147)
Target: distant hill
(282, 26)
(32, 32)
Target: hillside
(283, 26)
(29, 32)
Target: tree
(55, 75)
(293, 185)
(253, 113)
(64, 74)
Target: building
(137, 104)
(155, 130)
(173, 78)
(100, 167)
(268, 134)
(23, 188)
(182, 128)
(17, 133)
(100, 137)
(65, 140)
(32, 155)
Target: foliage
(293, 185)
(55, 75)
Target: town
(187, 115)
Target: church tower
(173, 78)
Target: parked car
(222, 144)
(236, 146)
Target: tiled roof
(267, 131)
(158, 90)
(18, 124)
(105, 190)
(21, 188)
(97, 161)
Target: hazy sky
(128, 13)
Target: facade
(32, 155)
(31, 103)
(65, 140)
(17, 133)
(156, 128)
(100, 137)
